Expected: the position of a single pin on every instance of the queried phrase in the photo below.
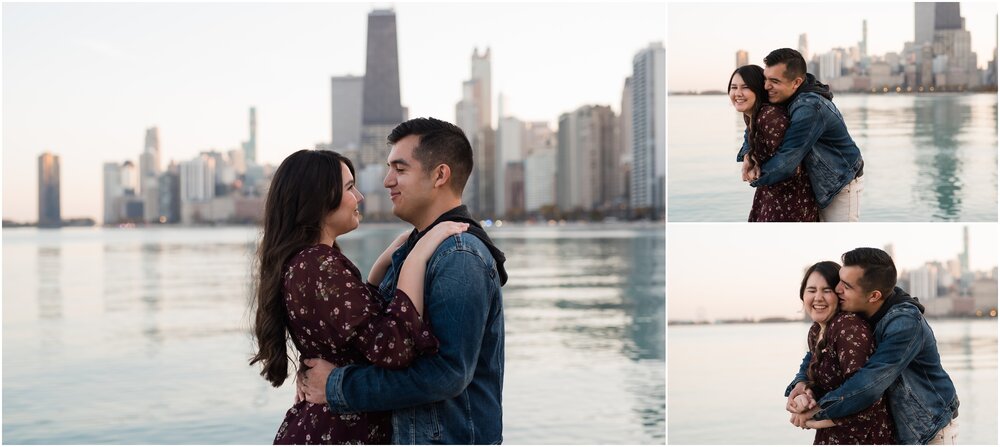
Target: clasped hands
(750, 170)
(802, 405)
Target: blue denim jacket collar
(817, 136)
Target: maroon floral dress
(792, 199)
(849, 344)
(336, 316)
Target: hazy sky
(738, 270)
(703, 38)
(86, 80)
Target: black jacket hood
(899, 296)
(461, 214)
(811, 85)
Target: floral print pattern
(792, 199)
(334, 315)
(849, 344)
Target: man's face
(849, 291)
(778, 88)
(410, 186)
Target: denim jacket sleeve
(898, 347)
(457, 301)
(801, 375)
(804, 129)
(746, 146)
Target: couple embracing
(873, 373)
(414, 354)
(796, 148)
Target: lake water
(726, 383)
(927, 157)
(140, 336)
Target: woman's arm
(384, 260)
(825, 423)
(411, 275)
(331, 298)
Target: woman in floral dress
(309, 292)
(840, 343)
(791, 200)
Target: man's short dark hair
(795, 64)
(440, 143)
(880, 271)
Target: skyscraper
(509, 148)
(250, 146)
(585, 148)
(863, 45)
(381, 109)
(112, 191)
(49, 215)
(933, 16)
(625, 144)
(481, 73)
(345, 103)
(804, 46)
(947, 15)
(649, 144)
(742, 58)
(474, 110)
(149, 162)
(149, 171)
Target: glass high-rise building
(48, 191)
(649, 143)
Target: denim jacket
(907, 367)
(453, 397)
(817, 134)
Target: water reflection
(937, 129)
(162, 313)
(50, 305)
(593, 295)
(150, 295)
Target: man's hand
(799, 406)
(750, 169)
(801, 403)
(801, 420)
(312, 382)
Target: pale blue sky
(86, 80)
(703, 37)
(739, 270)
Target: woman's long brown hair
(753, 76)
(830, 271)
(306, 187)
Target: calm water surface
(726, 382)
(927, 157)
(140, 336)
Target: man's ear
(441, 175)
(875, 296)
(798, 82)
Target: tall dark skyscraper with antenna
(381, 109)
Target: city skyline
(197, 96)
(762, 265)
(889, 26)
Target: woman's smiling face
(819, 299)
(740, 95)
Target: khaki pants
(947, 436)
(846, 205)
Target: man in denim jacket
(905, 366)
(453, 397)
(816, 135)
